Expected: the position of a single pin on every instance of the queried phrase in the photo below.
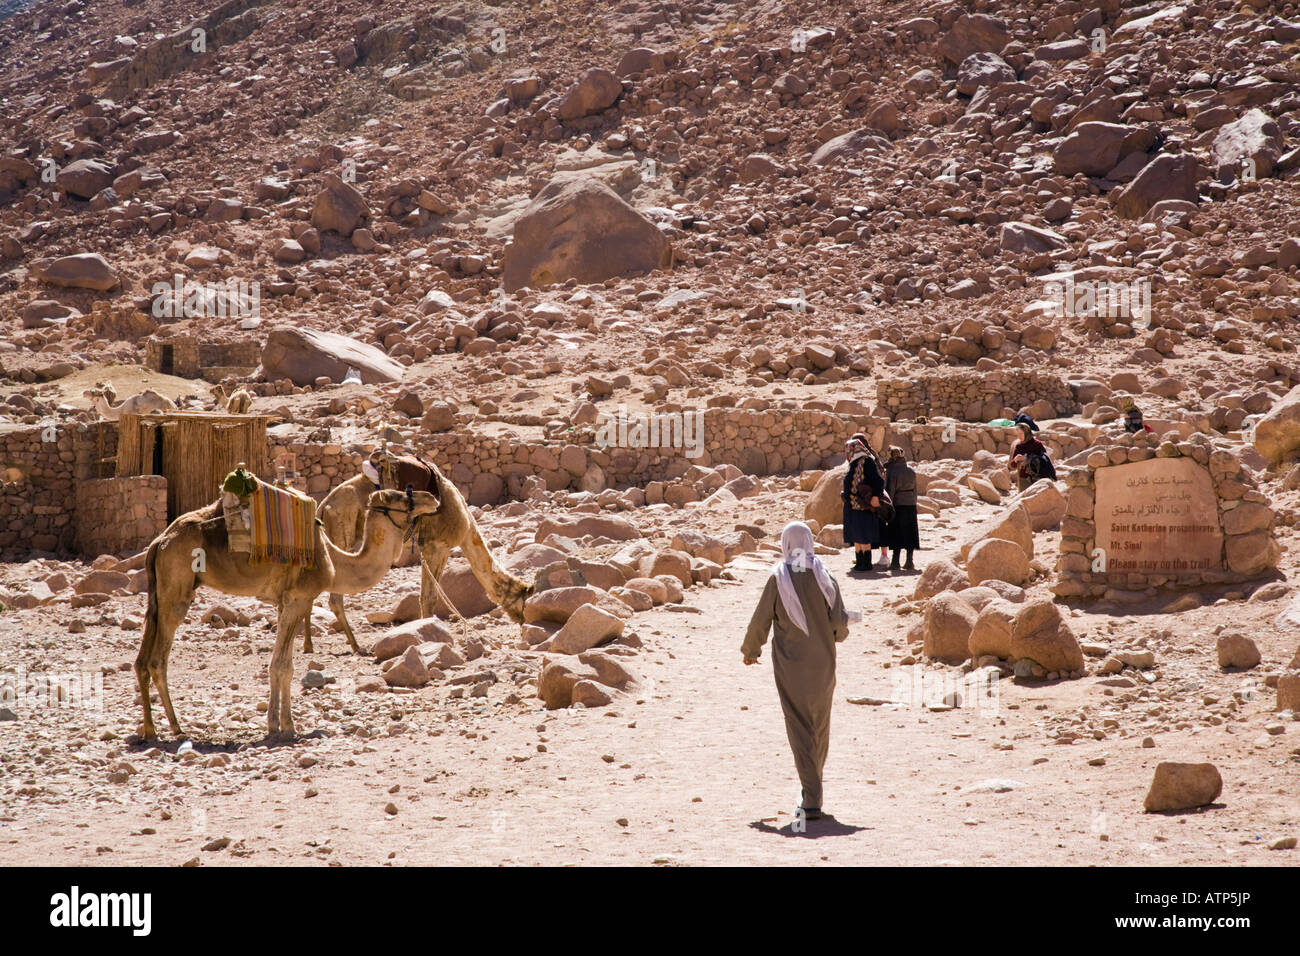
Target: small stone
(390, 809)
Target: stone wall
(489, 469)
(974, 396)
(120, 515)
(1234, 509)
(41, 466)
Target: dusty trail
(699, 770)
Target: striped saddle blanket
(274, 525)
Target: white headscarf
(797, 555)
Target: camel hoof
(148, 732)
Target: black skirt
(903, 531)
(862, 527)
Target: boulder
(848, 146)
(824, 505)
(1039, 633)
(339, 206)
(1168, 176)
(587, 627)
(1013, 524)
(598, 526)
(581, 229)
(1251, 554)
(1277, 434)
(559, 604)
(462, 589)
(304, 355)
(609, 669)
(556, 680)
(645, 60)
(939, 575)
(1023, 239)
(996, 559)
(1044, 503)
(408, 671)
(84, 270)
(1236, 650)
(102, 582)
(1255, 138)
(589, 693)
(948, 624)
(1288, 690)
(84, 178)
(983, 69)
(1092, 149)
(393, 644)
(653, 588)
(1182, 786)
(594, 90)
(674, 563)
(973, 33)
(991, 634)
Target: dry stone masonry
(1145, 513)
(972, 395)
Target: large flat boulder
(85, 270)
(581, 229)
(848, 146)
(1255, 138)
(974, 33)
(1170, 176)
(304, 355)
(824, 505)
(84, 177)
(1182, 786)
(1277, 434)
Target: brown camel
(194, 551)
(450, 527)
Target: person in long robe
(863, 484)
(802, 604)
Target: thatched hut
(192, 450)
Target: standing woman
(900, 482)
(863, 484)
(802, 603)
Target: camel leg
(432, 560)
(169, 618)
(336, 605)
(293, 613)
(306, 637)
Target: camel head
(403, 508)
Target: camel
(145, 403)
(198, 539)
(452, 526)
(237, 402)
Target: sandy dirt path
(695, 770)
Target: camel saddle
(409, 470)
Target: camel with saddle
(436, 535)
(196, 550)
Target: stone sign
(1158, 517)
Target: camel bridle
(409, 510)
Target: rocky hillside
(784, 200)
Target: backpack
(1038, 465)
